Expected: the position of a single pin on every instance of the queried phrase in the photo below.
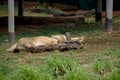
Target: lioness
(22, 43)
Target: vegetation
(98, 60)
(4, 12)
(58, 67)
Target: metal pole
(109, 13)
(20, 7)
(11, 28)
(98, 10)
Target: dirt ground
(92, 45)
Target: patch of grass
(40, 7)
(102, 66)
(115, 74)
(57, 67)
(3, 71)
(60, 65)
(117, 63)
(50, 10)
(3, 37)
(79, 74)
(111, 51)
(4, 10)
(56, 10)
(24, 72)
(29, 13)
(3, 6)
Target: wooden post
(20, 7)
(78, 4)
(98, 16)
(109, 13)
(11, 29)
(2, 2)
(68, 37)
(42, 2)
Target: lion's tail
(11, 49)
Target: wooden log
(49, 11)
(68, 37)
(60, 47)
(22, 20)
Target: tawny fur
(32, 42)
(62, 38)
(79, 39)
